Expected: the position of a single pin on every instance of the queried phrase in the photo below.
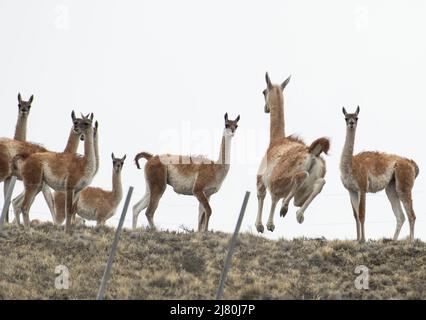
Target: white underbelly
(83, 183)
(87, 213)
(267, 173)
(314, 175)
(305, 166)
(182, 184)
(379, 183)
(56, 183)
(60, 183)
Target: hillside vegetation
(186, 265)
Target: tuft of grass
(187, 265)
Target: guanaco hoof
(284, 211)
(300, 217)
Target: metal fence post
(7, 199)
(231, 249)
(110, 261)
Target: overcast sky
(159, 76)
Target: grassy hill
(170, 265)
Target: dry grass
(170, 265)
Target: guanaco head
(351, 118)
(24, 106)
(231, 125)
(117, 163)
(270, 88)
(81, 125)
(76, 124)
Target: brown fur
(277, 129)
(100, 201)
(370, 172)
(71, 147)
(284, 140)
(145, 155)
(60, 171)
(370, 162)
(319, 146)
(280, 183)
(24, 108)
(197, 176)
(187, 165)
(20, 135)
(416, 168)
(156, 175)
(59, 203)
(13, 150)
(58, 196)
(290, 169)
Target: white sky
(150, 70)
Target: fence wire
(179, 225)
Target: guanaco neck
(21, 127)
(116, 185)
(89, 152)
(225, 150)
(348, 152)
(72, 143)
(276, 103)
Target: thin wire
(350, 223)
(179, 224)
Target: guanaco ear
(124, 158)
(268, 81)
(226, 116)
(73, 117)
(112, 156)
(92, 116)
(19, 98)
(344, 111)
(285, 83)
(238, 118)
(96, 125)
(31, 99)
(358, 110)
